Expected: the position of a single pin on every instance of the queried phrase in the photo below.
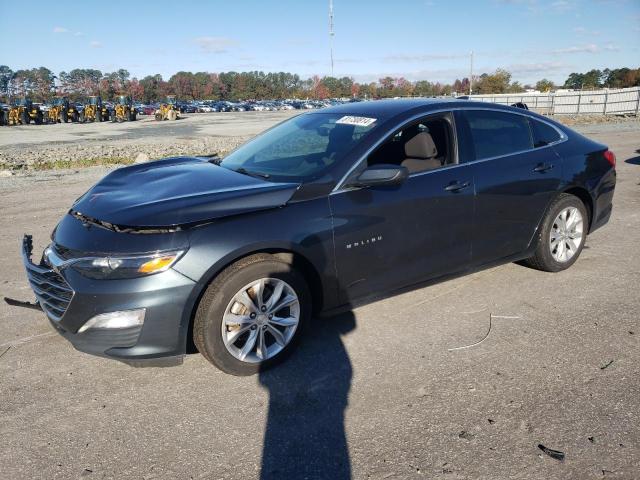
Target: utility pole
(331, 34)
(471, 76)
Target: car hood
(177, 191)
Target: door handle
(543, 167)
(457, 186)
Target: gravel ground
(371, 394)
(31, 146)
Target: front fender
(303, 228)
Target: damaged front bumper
(70, 300)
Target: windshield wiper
(244, 171)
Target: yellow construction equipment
(62, 111)
(168, 110)
(94, 111)
(123, 110)
(23, 112)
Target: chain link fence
(623, 101)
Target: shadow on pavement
(308, 394)
(634, 160)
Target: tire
(98, 115)
(220, 299)
(550, 259)
(65, 116)
(25, 118)
(39, 118)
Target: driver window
(421, 146)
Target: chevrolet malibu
(321, 212)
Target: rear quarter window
(543, 134)
(498, 133)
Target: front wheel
(561, 236)
(252, 315)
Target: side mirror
(381, 175)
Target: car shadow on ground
(634, 160)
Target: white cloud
(588, 48)
(562, 5)
(215, 44)
(402, 58)
(95, 44)
(585, 31)
(541, 67)
(60, 30)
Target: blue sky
(418, 39)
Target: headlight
(108, 268)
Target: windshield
(300, 148)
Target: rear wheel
(252, 315)
(561, 236)
(25, 118)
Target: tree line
(41, 84)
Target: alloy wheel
(260, 320)
(566, 234)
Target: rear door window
(543, 134)
(496, 134)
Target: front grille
(52, 291)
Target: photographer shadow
(305, 434)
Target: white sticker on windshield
(357, 121)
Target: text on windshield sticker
(358, 121)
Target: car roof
(385, 109)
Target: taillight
(611, 158)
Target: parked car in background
(205, 108)
(187, 108)
(224, 106)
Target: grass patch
(68, 164)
